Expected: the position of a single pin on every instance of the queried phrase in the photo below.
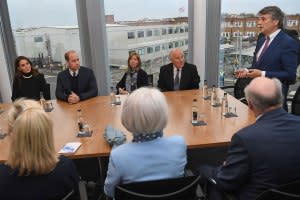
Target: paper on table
(70, 147)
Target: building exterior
(153, 41)
(245, 25)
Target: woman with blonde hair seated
(149, 156)
(33, 169)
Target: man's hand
(122, 91)
(73, 98)
(254, 73)
(241, 73)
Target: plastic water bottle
(195, 111)
(213, 100)
(204, 89)
(112, 96)
(225, 104)
(42, 100)
(80, 120)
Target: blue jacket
(263, 155)
(160, 158)
(280, 59)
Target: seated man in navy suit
(275, 54)
(265, 154)
(178, 75)
(76, 83)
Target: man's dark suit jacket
(262, 155)
(189, 77)
(279, 60)
(87, 85)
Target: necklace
(27, 76)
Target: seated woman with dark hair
(149, 156)
(134, 78)
(28, 82)
(33, 169)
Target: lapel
(67, 80)
(183, 76)
(80, 77)
(170, 75)
(272, 47)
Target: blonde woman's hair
(145, 111)
(32, 147)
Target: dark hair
(138, 58)
(275, 12)
(67, 54)
(18, 74)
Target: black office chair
(238, 88)
(69, 196)
(295, 107)
(91, 172)
(290, 191)
(150, 80)
(47, 94)
(184, 188)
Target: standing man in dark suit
(265, 154)
(275, 53)
(178, 75)
(76, 83)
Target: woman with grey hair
(149, 156)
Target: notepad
(70, 147)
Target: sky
(33, 13)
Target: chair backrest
(296, 103)
(69, 195)
(290, 191)
(184, 188)
(239, 87)
(150, 80)
(47, 94)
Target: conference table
(98, 113)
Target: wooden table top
(99, 113)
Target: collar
(259, 116)
(145, 137)
(76, 72)
(271, 113)
(175, 69)
(274, 34)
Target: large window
(44, 31)
(154, 22)
(239, 32)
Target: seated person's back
(265, 154)
(149, 156)
(33, 169)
